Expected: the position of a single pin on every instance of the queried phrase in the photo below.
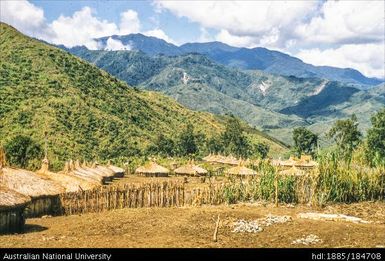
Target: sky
(336, 33)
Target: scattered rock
(332, 217)
(255, 226)
(241, 226)
(309, 240)
(46, 216)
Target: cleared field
(194, 227)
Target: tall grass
(332, 181)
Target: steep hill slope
(201, 84)
(86, 112)
(245, 58)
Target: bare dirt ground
(194, 227)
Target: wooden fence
(166, 194)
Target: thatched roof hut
(12, 205)
(241, 171)
(151, 169)
(101, 175)
(119, 172)
(190, 169)
(305, 162)
(293, 171)
(10, 199)
(229, 160)
(209, 158)
(44, 192)
(71, 183)
(29, 183)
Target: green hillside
(86, 112)
(273, 103)
(209, 86)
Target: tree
(233, 139)
(163, 146)
(376, 139)
(22, 150)
(346, 135)
(262, 149)
(214, 144)
(305, 141)
(187, 141)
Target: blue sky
(336, 33)
(179, 29)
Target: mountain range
(244, 58)
(86, 112)
(271, 102)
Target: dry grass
(194, 226)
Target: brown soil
(194, 227)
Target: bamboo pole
(276, 189)
(215, 236)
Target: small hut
(241, 171)
(190, 169)
(293, 171)
(151, 169)
(70, 183)
(119, 172)
(230, 160)
(91, 174)
(44, 192)
(209, 158)
(305, 163)
(12, 205)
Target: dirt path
(194, 226)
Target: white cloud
(345, 22)
(129, 22)
(234, 40)
(115, 45)
(159, 33)
(25, 17)
(81, 28)
(367, 58)
(205, 36)
(337, 33)
(251, 20)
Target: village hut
(305, 163)
(293, 171)
(12, 206)
(230, 160)
(209, 158)
(71, 170)
(101, 175)
(70, 183)
(119, 172)
(190, 169)
(241, 171)
(151, 169)
(43, 192)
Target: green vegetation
(305, 141)
(24, 152)
(271, 102)
(347, 136)
(87, 113)
(332, 182)
(375, 151)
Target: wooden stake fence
(166, 194)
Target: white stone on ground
(255, 226)
(308, 240)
